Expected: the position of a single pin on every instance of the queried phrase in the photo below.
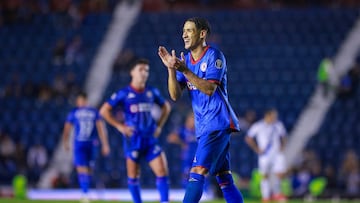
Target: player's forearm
(105, 112)
(252, 144)
(204, 86)
(102, 133)
(173, 86)
(165, 111)
(66, 133)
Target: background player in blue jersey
(88, 126)
(185, 137)
(203, 71)
(140, 129)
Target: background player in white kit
(267, 138)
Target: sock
(163, 188)
(84, 182)
(194, 188)
(231, 193)
(134, 187)
(265, 188)
(276, 188)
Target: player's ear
(203, 34)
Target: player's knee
(224, 180)
(199, 170)
(82, 169)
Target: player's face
(80, 101)
(191, 36)
(273, 116)
(140, 73)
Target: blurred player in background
(203, 71)
(140, 130)
(267, 138)
(185, 137)
(88, 126)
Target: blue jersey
(85, 134)
(84, 121)
(213, 112)
(137, 106)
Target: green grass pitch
(2, 200)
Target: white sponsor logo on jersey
(141, 107)
(190, 86)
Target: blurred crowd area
(21, 11)
(157, 5)
(12, 11)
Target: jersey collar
(193, 62)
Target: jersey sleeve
(216, 67)
(158, 99)
(282, 130)
(181, 78)
(252, 131)
(70, 117)
(116, 98)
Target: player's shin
(194, 188)
(231, 193)
(84, 182)
(162, 184)
(134, 187)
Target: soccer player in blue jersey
(88, 126)
(139, 128)
(203, 72)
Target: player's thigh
(132, 168)
(213, 152)
(159, 165)
(279, 166)
(265, 165)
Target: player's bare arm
(251, 142)
(66, 135)
(103, 137)
(169, 61)
(105, 112)
(165, 112)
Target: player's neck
(137, 86)
(198, 52)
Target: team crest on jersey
(135, 154)
(156, 150)
(131, 95)
(218, 64)
(149, 94)
(113, 96)
(203, 66)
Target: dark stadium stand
(272, 58)
(26, 54)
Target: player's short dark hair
(139, 61)
(270, 110)
(82, 94)
(201, 24)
